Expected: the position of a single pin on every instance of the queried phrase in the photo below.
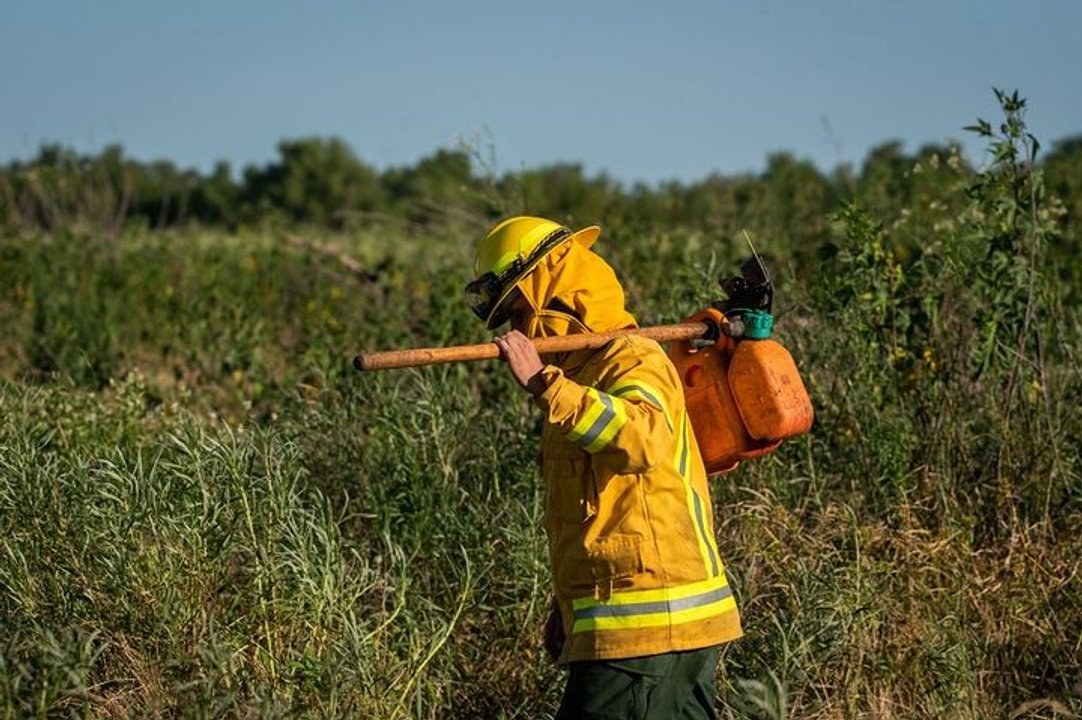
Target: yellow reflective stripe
(634, 597)
(682, 461)
(593, 412)
(701, 504)
(504, 262)
(631, 622)
(631, 609)
(600, 423)
(644, 391)
(606, 434)
(526, 245)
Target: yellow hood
(582, 281)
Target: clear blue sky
(643, 90)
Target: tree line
(322, 182)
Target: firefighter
(641, 598)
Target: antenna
(752, 289)
(758, 259)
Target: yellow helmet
(508, 253)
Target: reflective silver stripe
(650, 608)
(650, 397)
(702, 531)
(696, 500)
(684, 446)
(601, 423)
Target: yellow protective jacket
(636, 568)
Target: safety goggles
(490, 290)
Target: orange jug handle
(717, 321)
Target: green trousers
(673, 685)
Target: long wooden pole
(489, 351)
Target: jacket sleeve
(625, 422)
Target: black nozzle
(751, 290)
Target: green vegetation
(205, 512)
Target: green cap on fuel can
(758, 324)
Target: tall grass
(205, 512)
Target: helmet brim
(585, 237)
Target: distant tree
(1063, 181)
(1063, 176)
(215, 198)
(710, 204)
(60, 188)
(439, 187)
(642, 207)
(562, 190)
(318, 181)
(161, 192)
(795, 201)
(883, 183)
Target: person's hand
(554, 633)
(523, 360)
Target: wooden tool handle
(489, 351)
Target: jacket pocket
(609, 563)
(570, 494)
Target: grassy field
(205, 512)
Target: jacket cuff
(558, 400)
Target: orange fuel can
(743, 395)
